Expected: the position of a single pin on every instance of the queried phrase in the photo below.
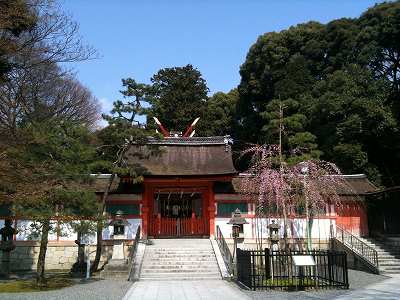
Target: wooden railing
(358, 247)
(162, 226)
(132, 254)
(226, 253)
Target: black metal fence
(277, 269)
(226, 253)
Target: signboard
(303, 260)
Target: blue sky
(137, 38)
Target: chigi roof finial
(189, 132)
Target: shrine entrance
(178, 213)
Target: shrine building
(190, 186)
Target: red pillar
(145, 212)
(211, 210)
(145, 221)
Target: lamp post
(274, 235)
(236, 221)
(119, 224)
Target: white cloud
(106, 105)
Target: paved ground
(385, 290)
(92, 290)
(185, 290)
(359, 281)
(363, 286)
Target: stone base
(59, 256)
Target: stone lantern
(237, 221)
(6, 246)
(119, 224)
(274, 235)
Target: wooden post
(145, 221)
(192, 220)
(159, 223)
(211, 210)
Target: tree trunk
(285, 227)
(96, 261)
(40, 279)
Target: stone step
(114, 274)
(389, 263)
(169, 254)
(179, 278)
(177, 266)
(390, 268)
(180, 274)
(387, 256)
(179, 258)
(189, 271)
(178, 262)
(152, 248)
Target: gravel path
(91, 290)
(357, 279)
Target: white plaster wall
(26, 232)
(134, 224)
(108, 231)
(320, 227)
(226, 229)
(67, 233)
(129, 233)
(297, 227)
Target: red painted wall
(352, 216)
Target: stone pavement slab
(386, 290)
(185, 290)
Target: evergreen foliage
(339, 83)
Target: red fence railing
(170, 227)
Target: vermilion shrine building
(190, 186)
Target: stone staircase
(388, 254)
(117, 269)
(179, 259)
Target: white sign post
(302, 261)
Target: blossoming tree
(280, 190)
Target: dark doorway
(178, 205)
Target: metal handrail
(357, 246)
(225, 251)
(131, 259)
